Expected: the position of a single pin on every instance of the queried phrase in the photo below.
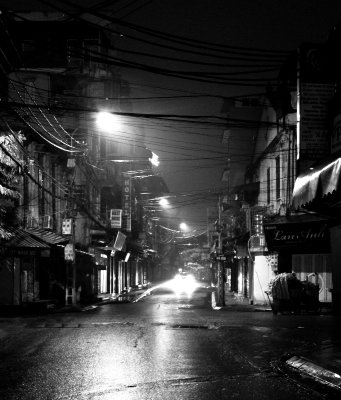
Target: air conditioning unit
(31, 222)
(116, 218)
(47, 222)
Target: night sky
(191, 38)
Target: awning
(23, 244)
(47, 236)
(24, 239)
(320, 181)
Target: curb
(314, 371)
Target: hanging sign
(126, 203)
(119, 241)
(69, 252)
(67, 226)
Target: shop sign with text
(298, 238)
(126, 203)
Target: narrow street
(161, 347)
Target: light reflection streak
(180, 284)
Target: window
(278, 177)
(268, 185)
(73, 52)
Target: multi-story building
(290, 195)
(81, 233)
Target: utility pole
(70, 252)
(220, 260)
(70, 258)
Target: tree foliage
(10, 179)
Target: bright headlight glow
(183, 284)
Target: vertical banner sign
(126, 203)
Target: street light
(154, 159)
(183, 227)
(164, 202)
(107, 121)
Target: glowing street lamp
(154, 160)
(183, 227)
(108, 121)
(164, 202)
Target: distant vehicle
(183, 283)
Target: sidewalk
(322, 368)
(321, 371)
(234, 302)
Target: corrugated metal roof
(20, 238)
(47, 236)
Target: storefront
(319, 190)
(21, 259)
(301, 242)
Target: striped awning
(318, 182)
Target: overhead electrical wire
(159, 71)
(211, 120)
(105, 59)
(274, 65)
(60, 185)
(232, 122)
(168, 119)
(167, 36)
(28, 114)
(120, 137)
(73, 97)
(114, 60)
(133, 140)
(54, 195)
(205, 78)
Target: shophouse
(82, 182)
(317, 185)
(290, 230)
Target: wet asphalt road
(161, 347)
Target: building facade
(80, 234)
